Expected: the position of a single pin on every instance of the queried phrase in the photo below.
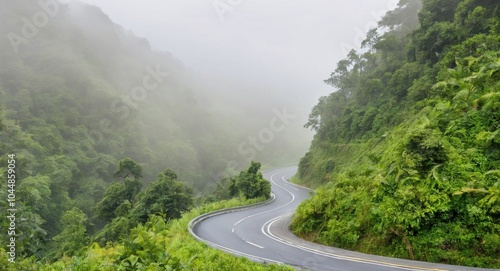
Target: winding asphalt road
(261, 234)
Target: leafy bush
(156, 245)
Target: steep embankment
(407, 150)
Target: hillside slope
(78, 94)
(407, 149)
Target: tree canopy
(406, 151)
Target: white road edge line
(326, 254)
(250, 216)
(289, 183)
(310, 250)
(257, 214)
(238, 253)
(267, 232)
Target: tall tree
(252, 184)
(165, 195)
(120, 193)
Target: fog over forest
(199, 87)
(103, 101)
(255, 56)
(124, 124)
(287, 46)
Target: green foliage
(225, 189)
(70, 124)
(404, 18)
(416, 157)
(252, 184)
(128, 167)
(166, 196)
(115, 230)
(156, 245)
(113, 198)
(74, 235)
(248, 183)
(122, 207)
(118, 196)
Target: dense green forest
(143, 230)
(106, 133)
(406, 156)
(117, 146)
(155, 245)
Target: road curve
(261, 234)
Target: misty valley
(111, 145)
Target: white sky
(290, 46)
